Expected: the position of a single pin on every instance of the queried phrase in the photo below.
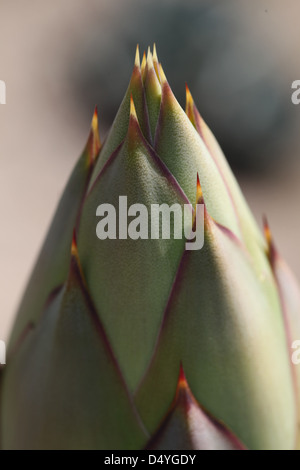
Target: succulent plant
(131, 344)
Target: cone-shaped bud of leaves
(126, 339)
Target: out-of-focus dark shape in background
(234, 76)
(60, 58)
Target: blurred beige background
(42, 133)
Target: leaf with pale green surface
(230, 338)
(65, 382)
(187, 426)
(140, 271)
(184, 153)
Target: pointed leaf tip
(199, 196)
(132, 109)
(267, 230)
(271, 251)
(144, 62)
(183, 392)
(162, 75)
(155, 58)
(155, 62)
(149, 59)
(96, 111)
(188, 426)
(182, 385)
(74, 249)
(181, 378)
(188, 97)
(95, 123)
(93, 144)
(75, 263)
(134, 131)
(137, 57)
(75, 257)
(190, 106)
(149, 53)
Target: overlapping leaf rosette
(132, 344)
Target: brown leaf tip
(267, 230)
(132, 109)
(93, 144)
(74, 249)
(184, 397)
(199, 194)
(183, 393)
(188, 97)
(96, 112)
(190, 105)
(133, 133)
(271, 250)
(182, 382)
(95, 123)
(75, 265)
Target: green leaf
(224, 324)
(250, 232)
(130, 280)
(189, 427)
(182, 150)
(153, 94)
(118, 130)
(289, 293)
(62, 388)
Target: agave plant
(131, 344)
